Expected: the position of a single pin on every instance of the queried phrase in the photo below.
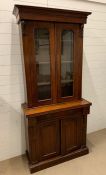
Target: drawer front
(59, 115)
(71, 132)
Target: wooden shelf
(48, 83)
(43, 62)
(44, 83)
(66, 81)
(48, 62)
(66, 61)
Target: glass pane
(66, 63)
(42, 44)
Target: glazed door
(69, 60)
(53, 62)
(39, 62)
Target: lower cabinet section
(55, 138)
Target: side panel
(32, 139)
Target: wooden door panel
(71, 134)
(48, 139)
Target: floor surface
(93, 163)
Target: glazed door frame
(30, 61)
(77, 59)
(55, 30)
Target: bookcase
(55, 112)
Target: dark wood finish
(55, 29)
(77, 60)
(49, 14)
(41, 110)
(55, 58)
(48, 139)
(57, 137)
(71, 132)
(43, 137)
(57, 160)
(30, 67)
(55, 127)
(32, 135)
(30, 62)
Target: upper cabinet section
(52, 41)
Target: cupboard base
(59, 159)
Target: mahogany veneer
(55, 113)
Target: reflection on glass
(66, 63)
(43, 63)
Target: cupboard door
(68, 45)
(71, 134)
(40, 68)
(48, 139)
